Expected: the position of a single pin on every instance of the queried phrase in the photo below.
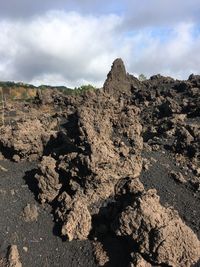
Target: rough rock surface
(139, 261)
(104, 137)
(48, 96)
(48, 179)
(3, 262)
(105, 147)
(26, 139)
(76, 218)
(100, 254)
(96, 172)
(159, 233)
(13, 257)
(119, 82)
(30, 213)
(90, 171)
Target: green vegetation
(77, 90)
(22, 91)
(142, 77)
(15, 85)
(83, 88)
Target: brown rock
(178, 177)
(30, 213)
(1, 156)
(3, 262)
(105, 146)
(48, 179)
(77, 223)
(118, 82)
(13, 257)
(27, 139)
(16, 158)
(139, 261)
(100, 254)
(159, 232)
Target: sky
(74, 42)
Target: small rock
(100, 254)
(12, 191)
(153, 160)
(16, 158)
(13, 257)
(1, 156)
(3, 169)
(25, 249)
(2, 191)
(30, 213)
(178, 177)
(146, 164)
(147, 147)
(155, 147)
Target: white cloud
(176, 56)
(139, 13)
(65, 44)
(72, 49)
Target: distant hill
(23, 91)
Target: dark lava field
(108, 177)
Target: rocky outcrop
(27, 138)
(118, 81)
(48, 96)
(158, 232)
(76, 218)
(106, 147)
(90, 167)
(48, 179)
(101, 163)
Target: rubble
(91, 169)
(27, 139)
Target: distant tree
(83, 89)
(142, 77)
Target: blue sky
(75, 42)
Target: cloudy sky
(74, 42)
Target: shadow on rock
(32, 182)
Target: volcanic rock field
(109, 177)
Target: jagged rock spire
(118, 71)
(118, 80)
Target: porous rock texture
(100, 254)
(170, 118)
(106, 146)
(48, 179)
(30, 213)
(13, 257)
(103, 144)
(48, 96)
(27, 138)
(93, 163)
(138, 261)
(119, 82)
(158, 232)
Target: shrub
(142, 77)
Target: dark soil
(45, 248)
(180, 196)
